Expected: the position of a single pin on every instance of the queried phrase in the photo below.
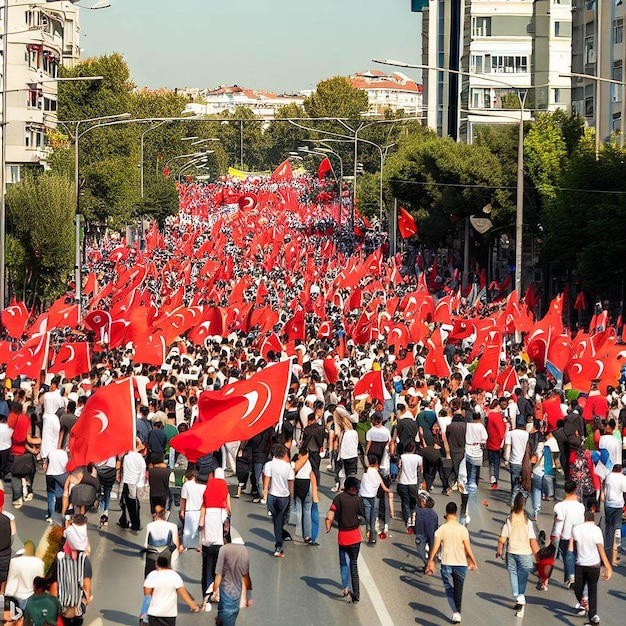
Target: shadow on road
(118, 617)
(429, 610)
(422, 586)
(321, 586)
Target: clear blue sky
(279, 45)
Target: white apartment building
(226, 99)
(41, 37)
(396, 92)
(502, 49)
(599, 49)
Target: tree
(283, 137)
(336, 97)
(40, 217)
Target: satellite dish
(481, 224)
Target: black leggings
(587, 576)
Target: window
(49, 104)
(35, 137)
(556, 95)
(589, 106)
(477, 64)
(481, 98)
(501, 64)
(14, 174)
(557, 29)
(34, 99)
(481, 27)
(590, 52)
(618, 31)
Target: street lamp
(519, 212)
(324, 148)
(201, 159)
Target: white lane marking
(372, 591)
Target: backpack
(579, 471)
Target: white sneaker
(456, 618)
(329, 468)
(455, 488)
(335, 488)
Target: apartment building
(40, 38)
(505, 51)
(396, 92)
(598, 49)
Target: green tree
(336, 97)
(40, 218)
(283, 137)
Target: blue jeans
(520, 566)
(258, 468)
(370, 515)
(315, 521)
(541, 485)
(408, 499)
(303, 513)
(228, 608)
(569, 559)
(612, 521)
(494, 464)
(420, 543)
(348, 557)
(277, 507)
(453, 577)
(516, 472)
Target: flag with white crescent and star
(236, 412)
(106, 427)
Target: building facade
(598, 49)
(505, 52)
(396, 92)
(40, 38)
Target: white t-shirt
(280, 473)
(164, 584)
(517, 439)
(305, 471)
(370, 483)
(133, 469)
(213, 531)
(22, 570)
(57, 462)
(160, 533)
(443, 422)
(475, 435)
(349, 445)
(193, 493)
(612, 445)
(5, 436)
(614, 489)
(49, 434)
(587, 537)
(570, 513)
(381, 434)
(410, 465)
(52, 401)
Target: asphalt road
(304, 588)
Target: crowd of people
(389, 388)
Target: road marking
(372, 591)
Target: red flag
(73, 359)
(236, 412)
(580, 304)
(62, 314)
(436, 363)
(271, 344)
(324, 168)
(372, 384)
(248, 201)
(283, 173)
(507, 380)
(100, 323)
(406, 224)
(486, 371)
(330, 370)
(106, 427)
(150, 349)
(31, 359)
(294, 328)
(14, 319)
(325, 330)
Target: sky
(277, 45)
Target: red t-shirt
(496, 430)
(215, 494)
(20, 425)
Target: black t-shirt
(349, 510)
(159, 480)
(314, 437)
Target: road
(304, 587)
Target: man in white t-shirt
(590, 556)
(277, 492)
(514, 449)
(612, 494)
(368, 491)
(22, 571)
(611, 444)
(163, 586)
(52, 401)
(567, 514)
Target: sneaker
(279, 554)
(335, 488)
(410, 530)
(583, 607)
(329, 468)
(494, 486)
(256, 500)
(570, 582)
(456, 618)
(541, 586)
(594, 620)
(455, 488)
(28, 497)
(18, 504)
(519, 610)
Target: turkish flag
(248, 201)
(271, 344)
(436, 363)
(73, 359)
(236, 412)
(100, 323)
(507, 380)
(325, 330)
(106, 427)
(294, 328)
(31, 359)
(14, 319)
(406, 224)
(372, 384)
(486, 372)
(150, 349)
(283, 173)
(324, 168)
(330, 370)
(213, 322)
